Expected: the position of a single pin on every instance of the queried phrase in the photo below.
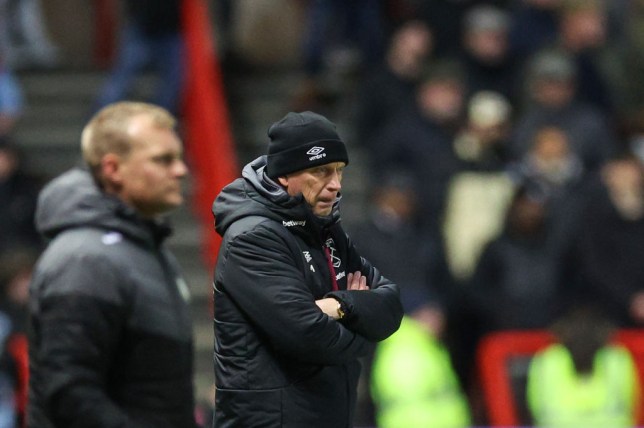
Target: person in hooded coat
(296, 305)
(110, 343)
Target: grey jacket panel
(111, 336)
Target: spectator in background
(24, 39)
(519, 271)
(534, 26)
(629, 50)
(152, 36)
(550, 163)
(482, 143)
(551, 87)
(486, 55)
(11, 100)
(446, 19)
(16, 269)
(517, 283)
(341, 37)
(610, 246)
(583, 34)
(11, 93)
(390, 239)
(18, 196)
(480, 190)
(419, 141)
(583, 380)
(413, 382)
(391, 86)
(551, 166)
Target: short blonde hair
(107, 133)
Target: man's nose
(180, 168)
(335, 182)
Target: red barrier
(498, 349)
(494, 354)
(208, 135)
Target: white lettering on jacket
(292, 223)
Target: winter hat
(551, 64)
(303, 140)
(486, 18)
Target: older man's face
(319, 185)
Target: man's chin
(171, 205)
(323, 212)
(323, 209)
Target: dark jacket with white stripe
(280, 361)
(111, 336)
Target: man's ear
(283, 181)
(111, 169)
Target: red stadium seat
(503, 403)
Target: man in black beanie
(295, 304)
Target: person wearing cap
(295, 304)
(486, 57)
(418, 141)
(552, 100)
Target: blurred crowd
(504, 143)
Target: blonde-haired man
(111, 339)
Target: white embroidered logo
(316, 153)
(334, 259)
(307, 256)
(111, 238)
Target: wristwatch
(341, 310)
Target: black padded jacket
(110, 343)
(280, 361)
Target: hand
(357, 281)
(329, 305)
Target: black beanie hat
(303, 140)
